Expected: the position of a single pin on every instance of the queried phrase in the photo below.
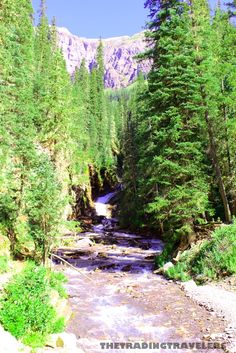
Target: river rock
(163, 269)
(64, 340)
(188, 286)
(167, 266)
(83, 243)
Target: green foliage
(57, 279)
(217, 257)
(73, 226)
(35, 340)
(178, 272)
(4, 264)
(170, 245)
(43, 205)
(164, 136)
(179, 133)
(212, 260)
(25, 308)
(52, 128)
(165, 256)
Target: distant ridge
(121, 68)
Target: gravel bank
(218, 300)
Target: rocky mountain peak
(121, 67)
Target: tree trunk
(228, 216)
(224, 112)
(13, 241)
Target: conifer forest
(165, 146)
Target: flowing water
(117, 298)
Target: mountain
(121, 68)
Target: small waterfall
(101, 204)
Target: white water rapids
(101, 204)
(119, 299)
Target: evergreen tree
(52, 128)
(101, 105)
(43, 206)
(134, 111)
(224, 36)
(79, 126)
(52, 87)
(93, 116)
(173, 187)
(17, 111)
(207, 60)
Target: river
(117, 299)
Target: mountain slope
(121, 68)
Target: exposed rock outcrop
(121, 68)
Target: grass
(178, 272)
(212, 260)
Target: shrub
(217, 257)
(56, 282)
(4, 264)
(25, 306)
(214, 259)
(178, 272)
(168, 251)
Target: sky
(98, 18)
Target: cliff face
(121, 68)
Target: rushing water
(110, 249)
(115, 297)
(101, 204)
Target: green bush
(26, 310)
(178, 272)
(4, 264)
(164, 257)
(56, 282)
(214, 259)
(217, 257)
(168, 251)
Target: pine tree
(79, 126)
(207, 60)
(224, 36)
(17, 111)
(52, 86)
(173, 187)
(93, 116)
(231, 8)
(101, 105)
(134, 112)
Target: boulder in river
(83, 243)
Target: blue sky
(95, 18)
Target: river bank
(116, 297)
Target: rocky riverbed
(118, 302)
